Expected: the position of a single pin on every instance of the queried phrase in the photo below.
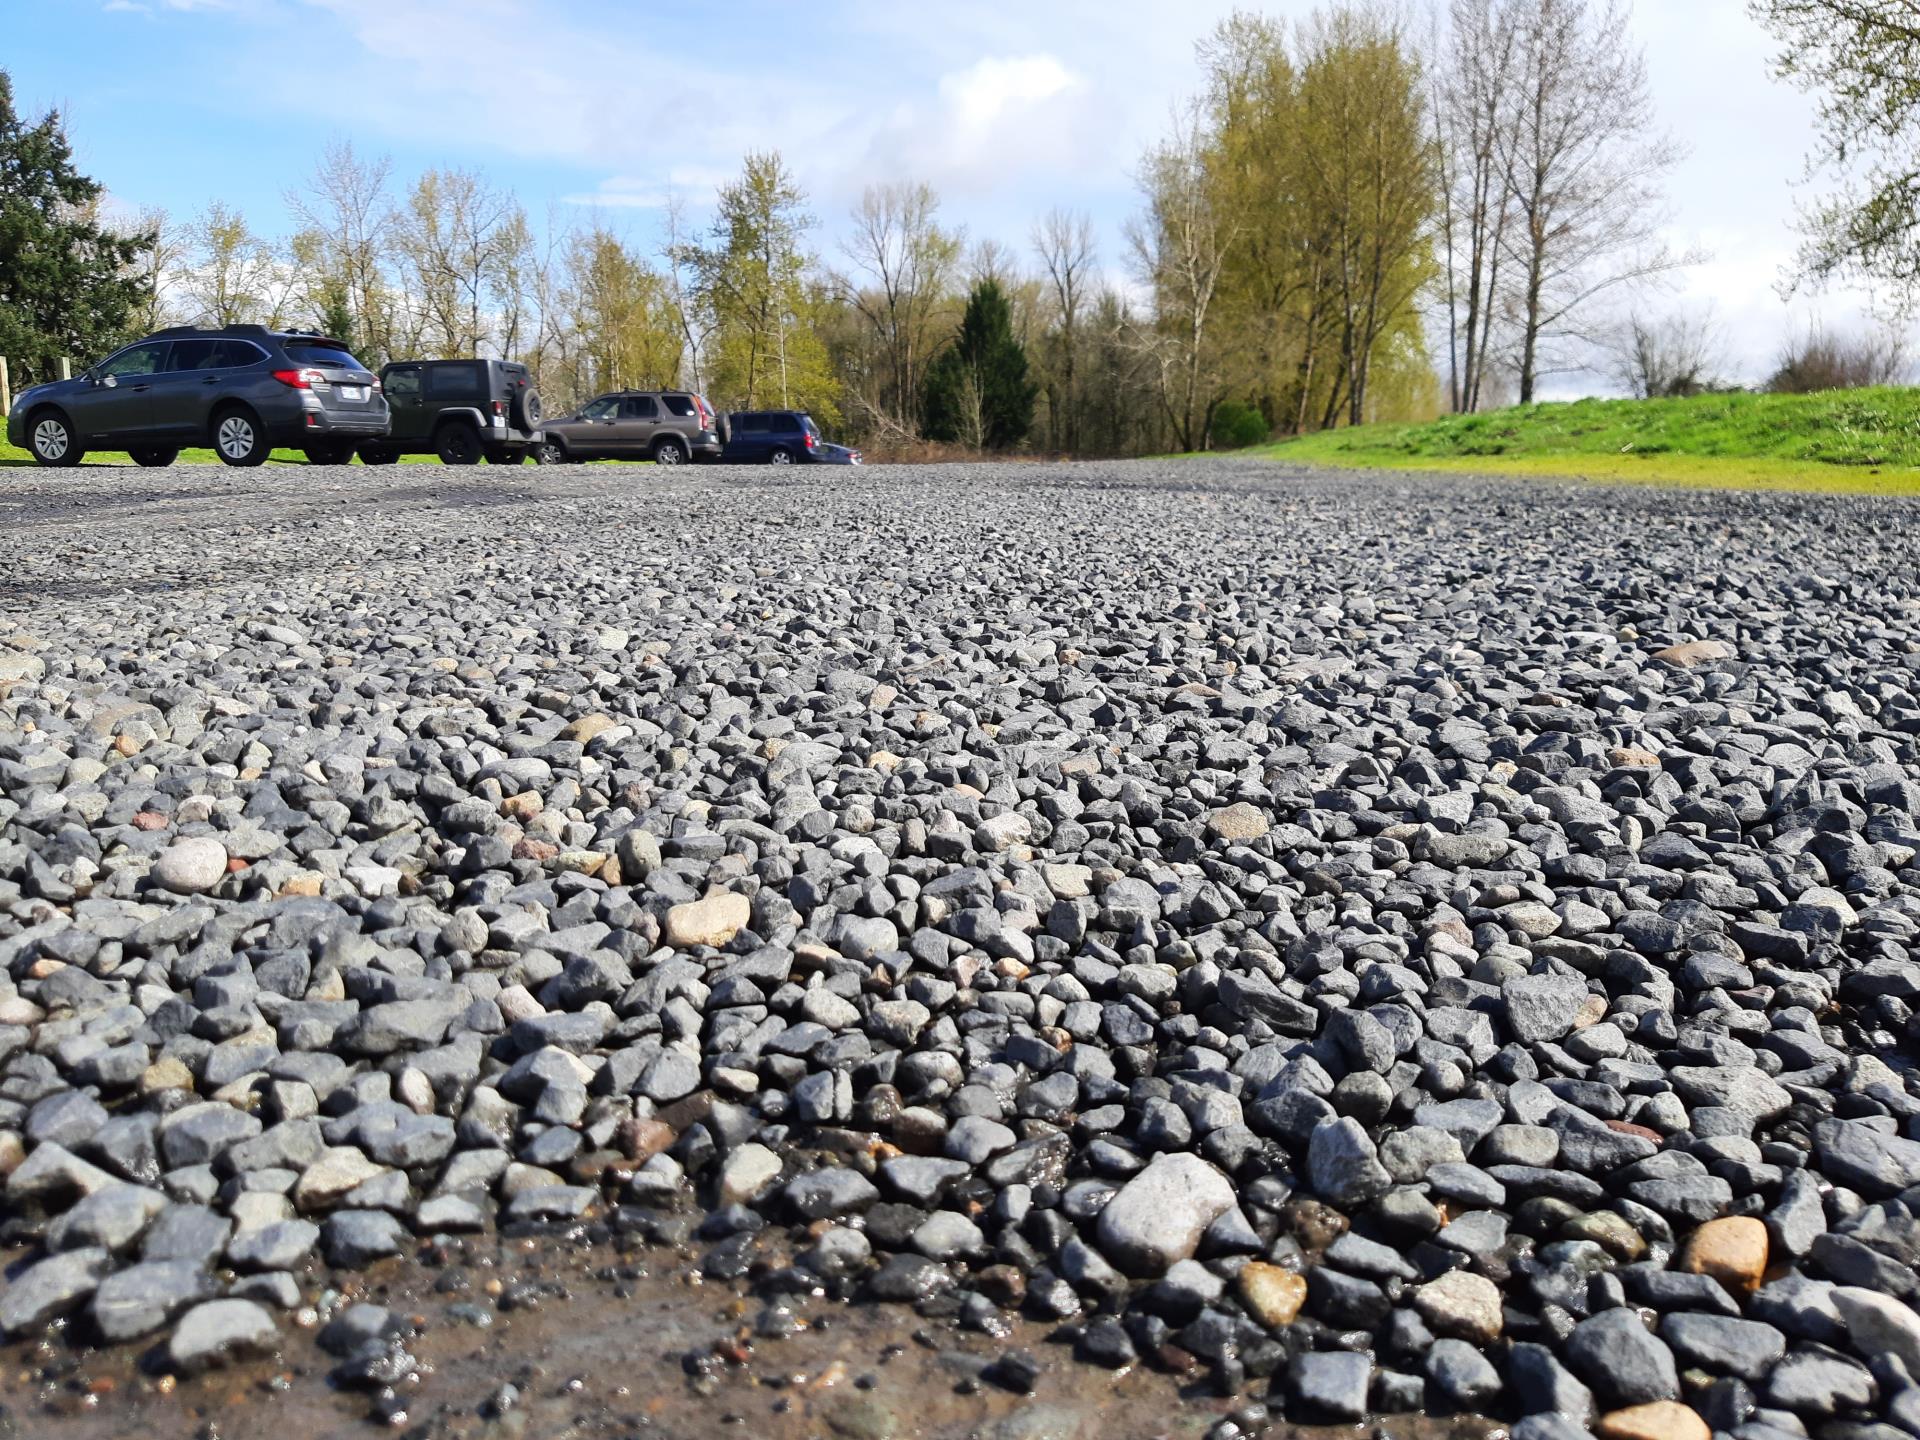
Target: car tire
(152, 457)
(239, 439)
(50, 436)
(457, 444)
(526, 409)
(378, 455)
(335, 454)
(780, 456)
(550, 452)
(669, 452)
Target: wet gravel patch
(1308, 947)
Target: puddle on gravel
(594, 1345)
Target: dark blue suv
(771, 437)
(242, 389)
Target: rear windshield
(329, 356)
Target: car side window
(752, 424)
(403, 384)
(455, 382)
(136, 360)
(193, 355)
(234, 355)
(605, 408)
(639, 407)
(681, 405)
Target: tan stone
(1733, 1251)
(882, 696)
(1693, 652)
(165, 1074)
(588, 726)
(1463, 1305)
(1239, 822)
(712, 921)
(337, 1172)
(884, 761)
(306, 883)
(1273, 1296)
(1627, 757)
(1662, 1420)
(524, 806)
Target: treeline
(1358, 217)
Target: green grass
(1850, 441)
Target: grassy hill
(1856, 441)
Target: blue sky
(1006, 106)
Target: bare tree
(682, 281)
(1064, 241)
(1583, 165)
(230, 272)
(906, 262)
(344, 212)
(1474, 105)
(1670, 358)
(1178, 248)
(158, 265)
(453, 239)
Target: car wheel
(780, 457)
(238, 438)
(457, 445)
(53, 440)
(377, 455)
(152, 457)
(550, 452)
(669, 452)
(329, 454)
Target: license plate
(355, 393)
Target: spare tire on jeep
(526, 408)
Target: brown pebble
(1732, 1250)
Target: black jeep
(464, 411)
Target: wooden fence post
(6, 388)
(66, 368)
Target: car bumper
(17, 428)
(314, 424)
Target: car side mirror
(110, 382)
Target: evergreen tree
(977, 391)
(68, 286)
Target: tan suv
(668, 427)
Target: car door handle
(211, 380)
(141, 389)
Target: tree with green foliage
(762, 306)
(69, 287)
(977, 390)
(1862, 59)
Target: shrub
(1236, 426)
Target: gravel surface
(1380, 946)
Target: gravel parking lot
(1362, 945)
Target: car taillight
(499, 407)
(301, 379)
(813, 441)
